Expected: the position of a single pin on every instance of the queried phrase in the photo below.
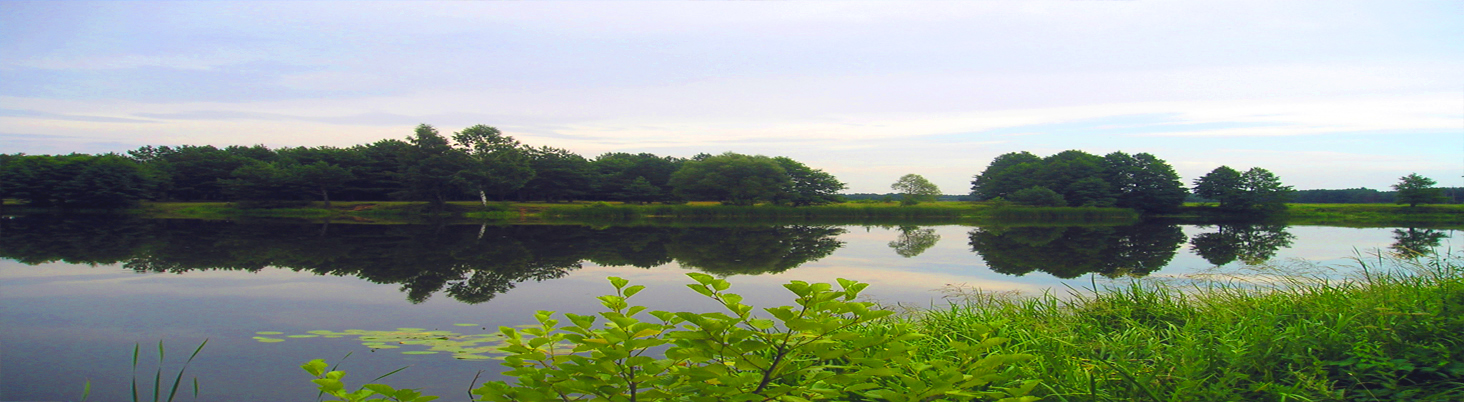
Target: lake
(76, 294)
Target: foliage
(615, 177)
(1140, 182)
(808, 186)
(77, 180)
(429, 168)
(1256, 190)
(915, 188)
(1037, 196)
(733, 179)
(157, 376)
(329, 382)
(1389, 332)
(559, 175)
(1414, 189)
(1144, 182)
(497, 164)
(804, 352)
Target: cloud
(68, 117)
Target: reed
(1392, 332)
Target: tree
(615, 171)
(558, 174)
(731, 178)
(914, 188)
(1144, 182)
(1414, 189)
(808, 186)
(641, 191)
(429, 166)
(498, 164)
(1255, 190)
(1006, 174)
(1037, 196)
(318, 178)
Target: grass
(1451, 215)
(1390, 333)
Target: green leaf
(631, 291)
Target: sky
(1334, 94)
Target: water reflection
(471, 264)
(1248, 243)
(913, 240)
(1072, 251)
(474, 264)
(1415, 242)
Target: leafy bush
(1037, 196)
(804, 352)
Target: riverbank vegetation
(1390, 332)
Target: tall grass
(1393, 332)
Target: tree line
(477, 163)
(1148, 184)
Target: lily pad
(417, 341)
(269, 333)
(467, 325)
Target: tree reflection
(913, 240)
(1416, 242)
(1251, 244)
(471, 264)
(753, 250)
(1071, 251)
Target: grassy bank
(1395, 334)
(1373, 215)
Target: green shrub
(803, 352)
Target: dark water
(76, 295)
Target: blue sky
(1324, 94)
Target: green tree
(429, 166)
(641, 191)
(1077, 175)
(319, 178)
(1144, 182)
(1255, 190)
(1006, 174)
(1037, 196)
(616, 170)
(731, 178)
(1414, 189)
(498, 164)
(558, 174)
(808, 186)
(103, 181)
(914, 188)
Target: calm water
(76, 295)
